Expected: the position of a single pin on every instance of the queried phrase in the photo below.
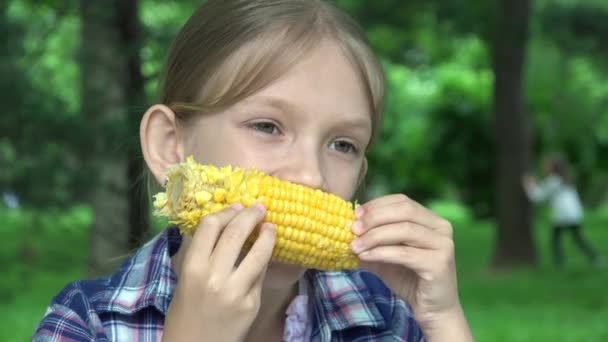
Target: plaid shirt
(130, 305)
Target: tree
(110, 84)
(514, 242)
(130, 31)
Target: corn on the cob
(312, 226)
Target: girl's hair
(230, 49)
(558, 165)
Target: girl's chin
(286, 267)
(285, 274)
(283, 267)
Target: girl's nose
(303, 168)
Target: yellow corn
(312, 226)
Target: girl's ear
(161, 140)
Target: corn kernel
(312, 227)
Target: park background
(479, 92)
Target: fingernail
(260, 207)
(269, 227)
(236, 206)
(357, 227)
(359, 212)
(357, 245)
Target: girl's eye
(344, 147)
(265, 127)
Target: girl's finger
(209, 229)
(380, 202)
(232, 239)
(251, 270)
(399, 212)
(417, 259)
(402, 233)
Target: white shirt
(566, 206)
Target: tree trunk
(130, 30)
(514, 240)
(103, 102)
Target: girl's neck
(270, 321)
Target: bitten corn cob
(312, 226)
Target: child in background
(566, 207)
(292, 88)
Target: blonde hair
(230, 49)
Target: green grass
(41, 252)
(540, 304)
(532, 305)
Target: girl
(290, 87)
(566, 207)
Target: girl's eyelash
(267, 127)
(351, 148)
(271, 128)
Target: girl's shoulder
(140, 289)
(72, 313)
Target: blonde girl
(290, 87)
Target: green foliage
(439, 133)
(49, 56)
(579, 25)
(452, 211)
(567, 103)
(42, 135)
(439, 114)
(161, 20)
(435, 119)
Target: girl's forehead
(324, 79)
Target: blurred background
(479, 92)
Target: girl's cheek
(263, 155)
(342, 180)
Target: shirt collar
(342, 300)
(145, 279)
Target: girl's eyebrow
(361, 122)
(357, 121)
(275, 102)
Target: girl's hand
(216, 300)
(411, 249)
(529, 182)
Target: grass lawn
(533, 305)
(539, 304)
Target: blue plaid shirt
(130, 305)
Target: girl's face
(310, 127)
